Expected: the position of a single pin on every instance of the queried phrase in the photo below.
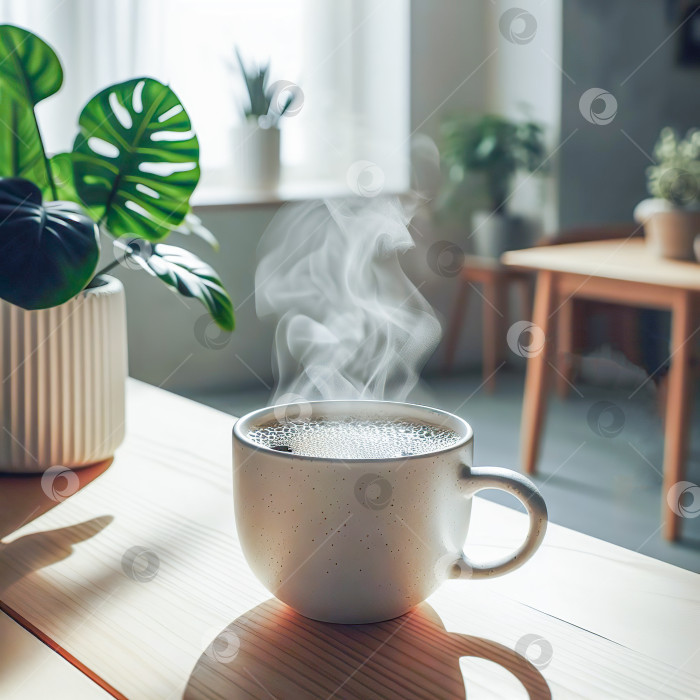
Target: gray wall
(167, 343)
(601, 172)
(525, 79)
(623, 47)
(448, 76)
(447, 44)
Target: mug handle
(474, 479)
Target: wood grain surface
(138, 576)
(30, 669)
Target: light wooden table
(621, 271)
(184, 617)
(31, 669)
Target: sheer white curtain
(350, 57)
(99, 42)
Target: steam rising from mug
(351, 324)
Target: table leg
(456, 322)
(564, 361)
(503, 305)
(535, 399)
(677, 407)
(525, 296)
(492, 340)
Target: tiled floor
(600, 469)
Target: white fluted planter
(64, 371)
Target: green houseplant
(130, 175)
(262, 106)
(671, 217)
(495, 149)
(256, 141)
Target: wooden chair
(621, 322)
(496, 280)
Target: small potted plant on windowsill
(130, 175)
(256, 141)
(671, 217)
(496, 149)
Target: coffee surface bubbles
(353, 438)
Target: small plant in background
(262, 98)
(671, 217)
(132, 170)
(494, 147)
(676, 175)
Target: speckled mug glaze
(365, 540)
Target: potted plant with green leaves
(256, 140)
(129, 176)
(671, 217)
(495, 149)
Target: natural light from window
(350, 58)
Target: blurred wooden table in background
(622, 271)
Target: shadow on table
(271, 651)
(39, 549)
(23, 497)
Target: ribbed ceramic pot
(63, 381)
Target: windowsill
(228, 195)
(231, 196)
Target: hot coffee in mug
(358, 510)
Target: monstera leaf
(192, 226)
(189, 276)
(21, 154)
(48, 252)
(28, 65)
(135, 159)
(29, 72)
(63, 177)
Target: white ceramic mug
(365, 540)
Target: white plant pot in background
(669, 230)
(64, 371)
(494, 234)
(256, 156)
